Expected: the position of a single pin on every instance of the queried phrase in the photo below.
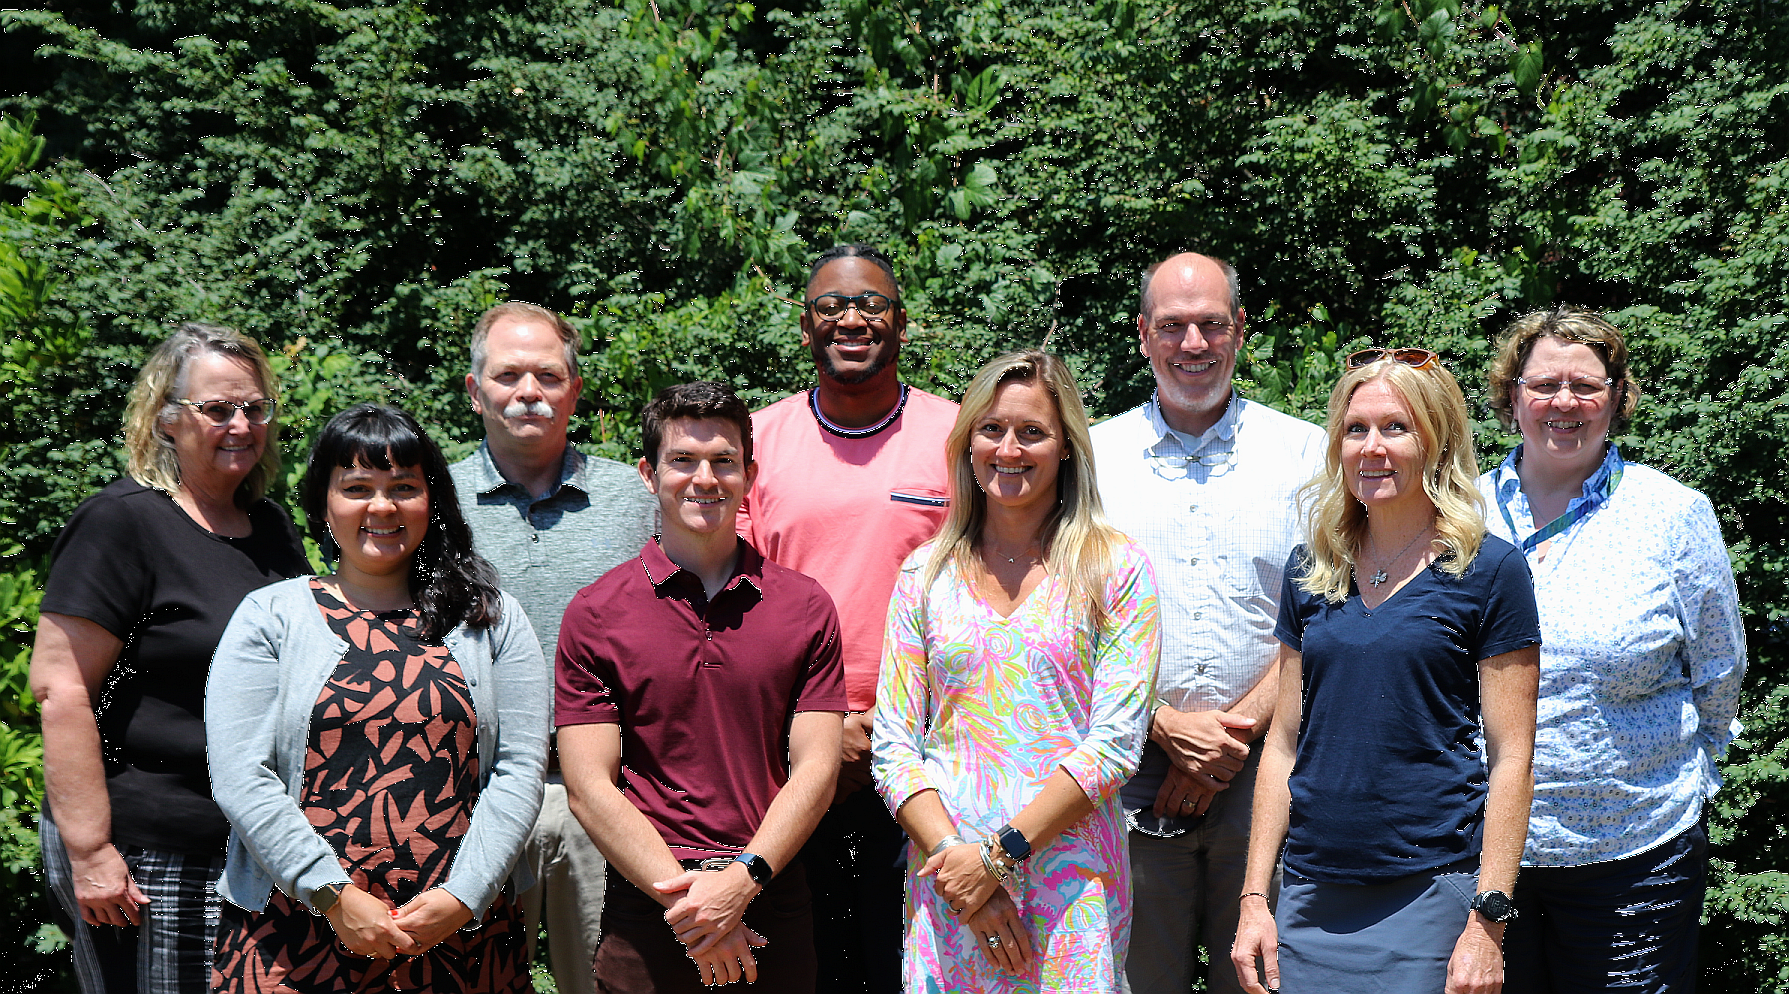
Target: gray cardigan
(271, 664)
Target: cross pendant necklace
(1379, 575)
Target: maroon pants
(640, 954)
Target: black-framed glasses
(1589, 388)
(1414, 358)
(831, 306)
(220, 412)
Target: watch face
(1494, 905)
(757, 867)
(1014, 843)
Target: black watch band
(757, 866)
(1013, 843)
(1495, 905)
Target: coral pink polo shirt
(847, 511)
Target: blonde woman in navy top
(1640, 670)
(1409, 637)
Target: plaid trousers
(171, 951)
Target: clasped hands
(367, 926)
(1207, 749)
(709, 918)
(981, 905)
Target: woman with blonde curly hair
(1016, 679)
(142, 583)
(1639, 677)
(1406, 632)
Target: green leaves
(38, 335)
(354, 183)
(1525, 67)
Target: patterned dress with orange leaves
(391, 777)
(983, 709)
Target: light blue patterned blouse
(1641, 657)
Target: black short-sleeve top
(1389, 777)
(133, 562)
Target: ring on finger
(993, 942)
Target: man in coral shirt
(852, 478)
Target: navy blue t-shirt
(1389, 779)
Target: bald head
(1189, 329)
(1188, 266)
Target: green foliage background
(354, 183)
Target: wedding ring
(993, 942)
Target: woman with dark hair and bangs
(377, 740)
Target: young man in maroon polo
(700, 705)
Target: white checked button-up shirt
(1218, 520)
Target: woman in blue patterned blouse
(1641, 658)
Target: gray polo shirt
(547, 550)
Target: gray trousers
(171, 952)
(1186, 893)
(568, 894)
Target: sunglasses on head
(1414, 358)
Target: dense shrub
(353, 184)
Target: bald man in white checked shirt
(1206, 483)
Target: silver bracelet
(995, 870)
(947, 842)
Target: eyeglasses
(221, 412)
(1585, 389)
(1414, 358)
(831, 306)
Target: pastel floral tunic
(984, 709)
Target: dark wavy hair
(451, 584)
(697, 401)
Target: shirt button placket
(537, 552)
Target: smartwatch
(1495, 905)
(326, 896)
(1013, 843)
(757, 866)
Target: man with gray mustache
(551, 520)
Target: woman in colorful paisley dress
(1016, 679)
(377, 739)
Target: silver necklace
(1379, 576)
(1014, 559)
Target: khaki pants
(568, 892)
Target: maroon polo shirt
(703, 690)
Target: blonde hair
(150, 451)
(1450, 472)
(1567, 324)
(1076, 539)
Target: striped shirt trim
(866, 431)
